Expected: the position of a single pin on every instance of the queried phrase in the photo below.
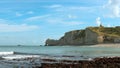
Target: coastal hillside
(88, 36)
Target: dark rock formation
(96, 63)
(51, 42)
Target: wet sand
(107, 45)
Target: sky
(31, 22)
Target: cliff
(88, 36)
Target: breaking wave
(7, 53)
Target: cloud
(60, 21)
(72, 23)
(5, 27)
(72, 16)
(108, 25)
(35, 18)
(18, 14)
(56, 19)
(63, 8)
(98, 21)
(16, 28)
(113, 7)
(30, 12)
(64, 22)
(3, 21)
(55, 6)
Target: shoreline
(28, 60)
(98, 62)
(96, 45)
(104, 62)
(107, 45)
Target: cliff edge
(88, 36)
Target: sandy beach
(107, 45)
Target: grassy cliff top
(109, 31)
(101, 30)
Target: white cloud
(56, 19)
(55, 6)
(34, 18)
(62, 21)
(108, 25)
(18, 14)
(98, 21)
(5, 27)
(30, 12)
(72, 23)
(72, 16)
(16, 28)
(114, 8)
(3, 21)
(62, 8)
(82, 7)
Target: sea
(9, 53)
(62, 50)
(89, 51)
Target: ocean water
(61, 50)
(14, 56)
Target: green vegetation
(108, 31)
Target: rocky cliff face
(88, 36)
(73, 38)
(51, 42)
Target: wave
(16, 55)
(11, 57)
(7, 53)
(23, 53)
(19, 55)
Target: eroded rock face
(51, 42)
(117, 40)
(72, 38)
(90, 37)
(84, 37)
(76, 37)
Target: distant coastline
(88, 36)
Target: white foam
(7, 53)
(20, 56)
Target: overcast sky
(31, 22)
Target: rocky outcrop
(117, 40)
(91, 35)
(52, 42)
(73, 38)
(105, 62)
